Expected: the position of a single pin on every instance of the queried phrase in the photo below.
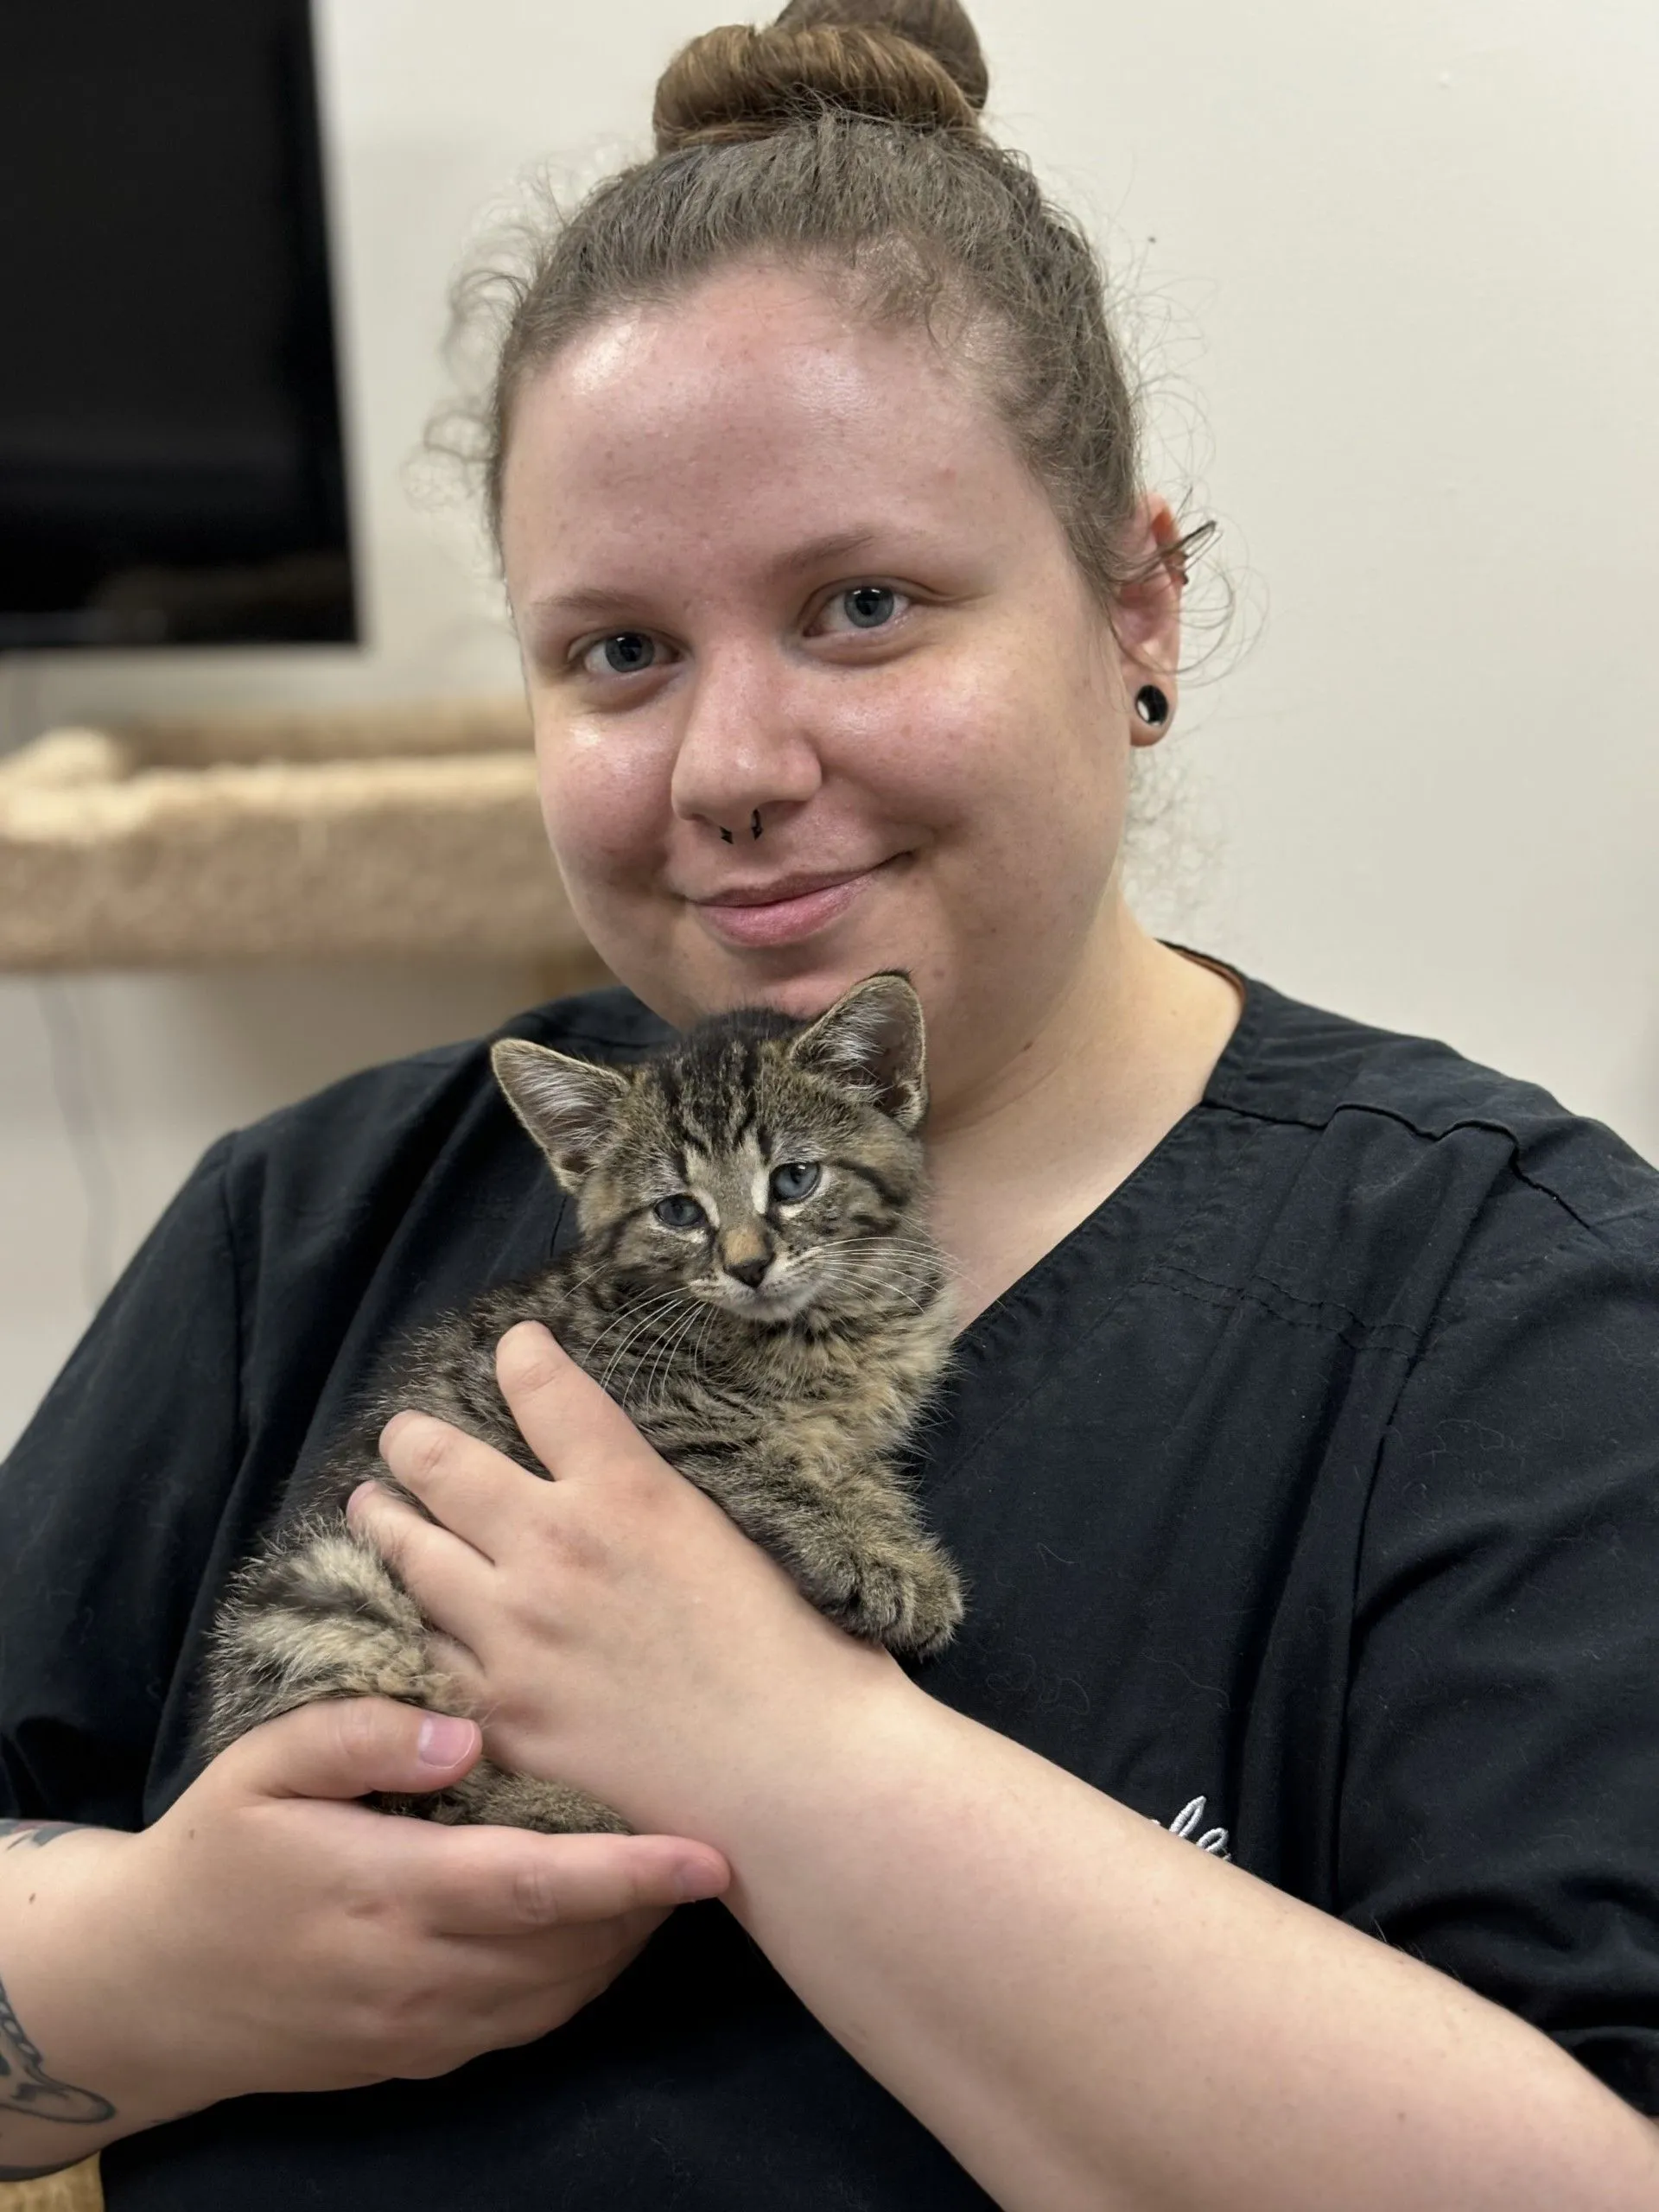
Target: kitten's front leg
(488, 1794)
(317, 1614)
(851, 1541)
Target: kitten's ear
(872, 1040)
(567, 1105)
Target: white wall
(1394, 265)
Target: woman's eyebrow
(600, 601)
(818, 550)
(592, 600)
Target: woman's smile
(786, 910)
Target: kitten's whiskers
(844, 1274)
(663, 1360)
(922, 1246)
(651, 1328)
(657, 1304)
(628, 1312)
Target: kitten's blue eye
(796, 1180)
(679, 1212)
(625, 654)
(868, 605)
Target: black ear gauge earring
(1151, 705)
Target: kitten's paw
(488, 1797)
(907, 1597)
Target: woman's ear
(567, 1105)
(1146, 613)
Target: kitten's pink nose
(749, 1272)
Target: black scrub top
(1308, 1498)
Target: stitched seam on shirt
(1388, 1336)
(1193, 1286)
(1222, 1105)
(1512, 1164)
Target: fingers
(478, 1881)
(561, 1413)
(472, 1492)
(345, 1747)
(502, 1882)
(447, 1573)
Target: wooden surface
(75, 2189)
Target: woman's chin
(801, 987)
(687, 977)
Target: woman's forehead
(759, 405)
(745, 328)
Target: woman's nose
(746, 748)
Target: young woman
(1278, 1831)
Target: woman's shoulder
(366, 1125)
(609, 1024)
(1386, 1107)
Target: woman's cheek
(927, 750)
(604, 800)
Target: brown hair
(846, 136)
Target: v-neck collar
(1150, 1185)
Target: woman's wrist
(787, 1769)
(89, 2057)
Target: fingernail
(698, 1877)
(444, 1738)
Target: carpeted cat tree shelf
(406, 831)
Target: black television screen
(170, 461)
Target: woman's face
(773, 567)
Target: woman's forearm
(75, 2076)
(1093, 2015)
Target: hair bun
(914, 62)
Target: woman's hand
(268, 1933)
(612, 1628)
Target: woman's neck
(1125, 1052)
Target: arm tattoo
(27, 2088)
(25, 2085)
(35, 1834)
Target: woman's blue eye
(625, 654)
(679, 1212)
(868, 605)
(796, 1180)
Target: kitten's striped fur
(785, 1390)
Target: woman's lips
(782, 920)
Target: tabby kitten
(755, 1284)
